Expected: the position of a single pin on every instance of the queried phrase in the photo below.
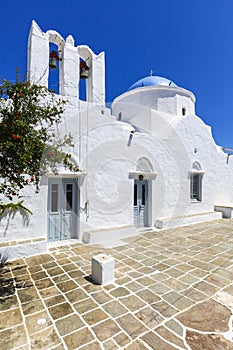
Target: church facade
(149, 162)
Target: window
(69, 197)
(196, 176)
(183, 111)
(54, 198)
(195, 187)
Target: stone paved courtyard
(173, 289)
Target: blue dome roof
(152, 81)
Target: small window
(183, 111)
(119, 116)
(196, 187)
(69, 197)
(54, 198)
(143, 194)
(135, 195)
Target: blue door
(140, 203)
(62, 209)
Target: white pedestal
(102, 269)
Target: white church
(148, 163)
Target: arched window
(196, 175)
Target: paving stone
(39, 259)
(146, 281)
(55, 271)
(75, 273)
(28, 294)
(148, 296)
(78, 338)
(132, 263)
(131, 325)
(101, 297)
(122, 339)
(159, 276)
(133, 303)
(164, 308)
(45, 339)
(119, 292)
(109, 345)
(175, 327)
(199, 273)
(8, 303)
(159, 288)
(177, 300)
(85, 305)
(175, 284)
(123, 280)
(49, 292)
(134, 286)
(206, 288)
(39, 275)
(216, 280)
(45, 283)
(67, 286)
(90, 287)
(149, 317)
(94, 316)
(32, 307)
(61, 278)
(115, 309)
(106, 330)
(50, 265)
(199, 341)
(58, 299)
(223, 263)
(146, 270)
(188, 279)
(76, 295)
(13, 337)
(155, 342)
(196, 317)
(10, 318)
(161, 267)
(60, 310)
(37, 322)
(69, 324)
(169, 336)
(194, 294)
(135, 274)
(69, 267)
(174, 272)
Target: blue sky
(187, 41)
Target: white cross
(151, 72)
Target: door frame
(62, 181)
(149, 176)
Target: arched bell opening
(84, 74)
(54, 68)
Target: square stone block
(102, 269)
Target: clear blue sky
(187, 41)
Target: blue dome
(152, 81)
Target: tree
(29, 144)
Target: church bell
(83, 70)
(53, 59)
(53, 63)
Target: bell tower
(70, 66)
